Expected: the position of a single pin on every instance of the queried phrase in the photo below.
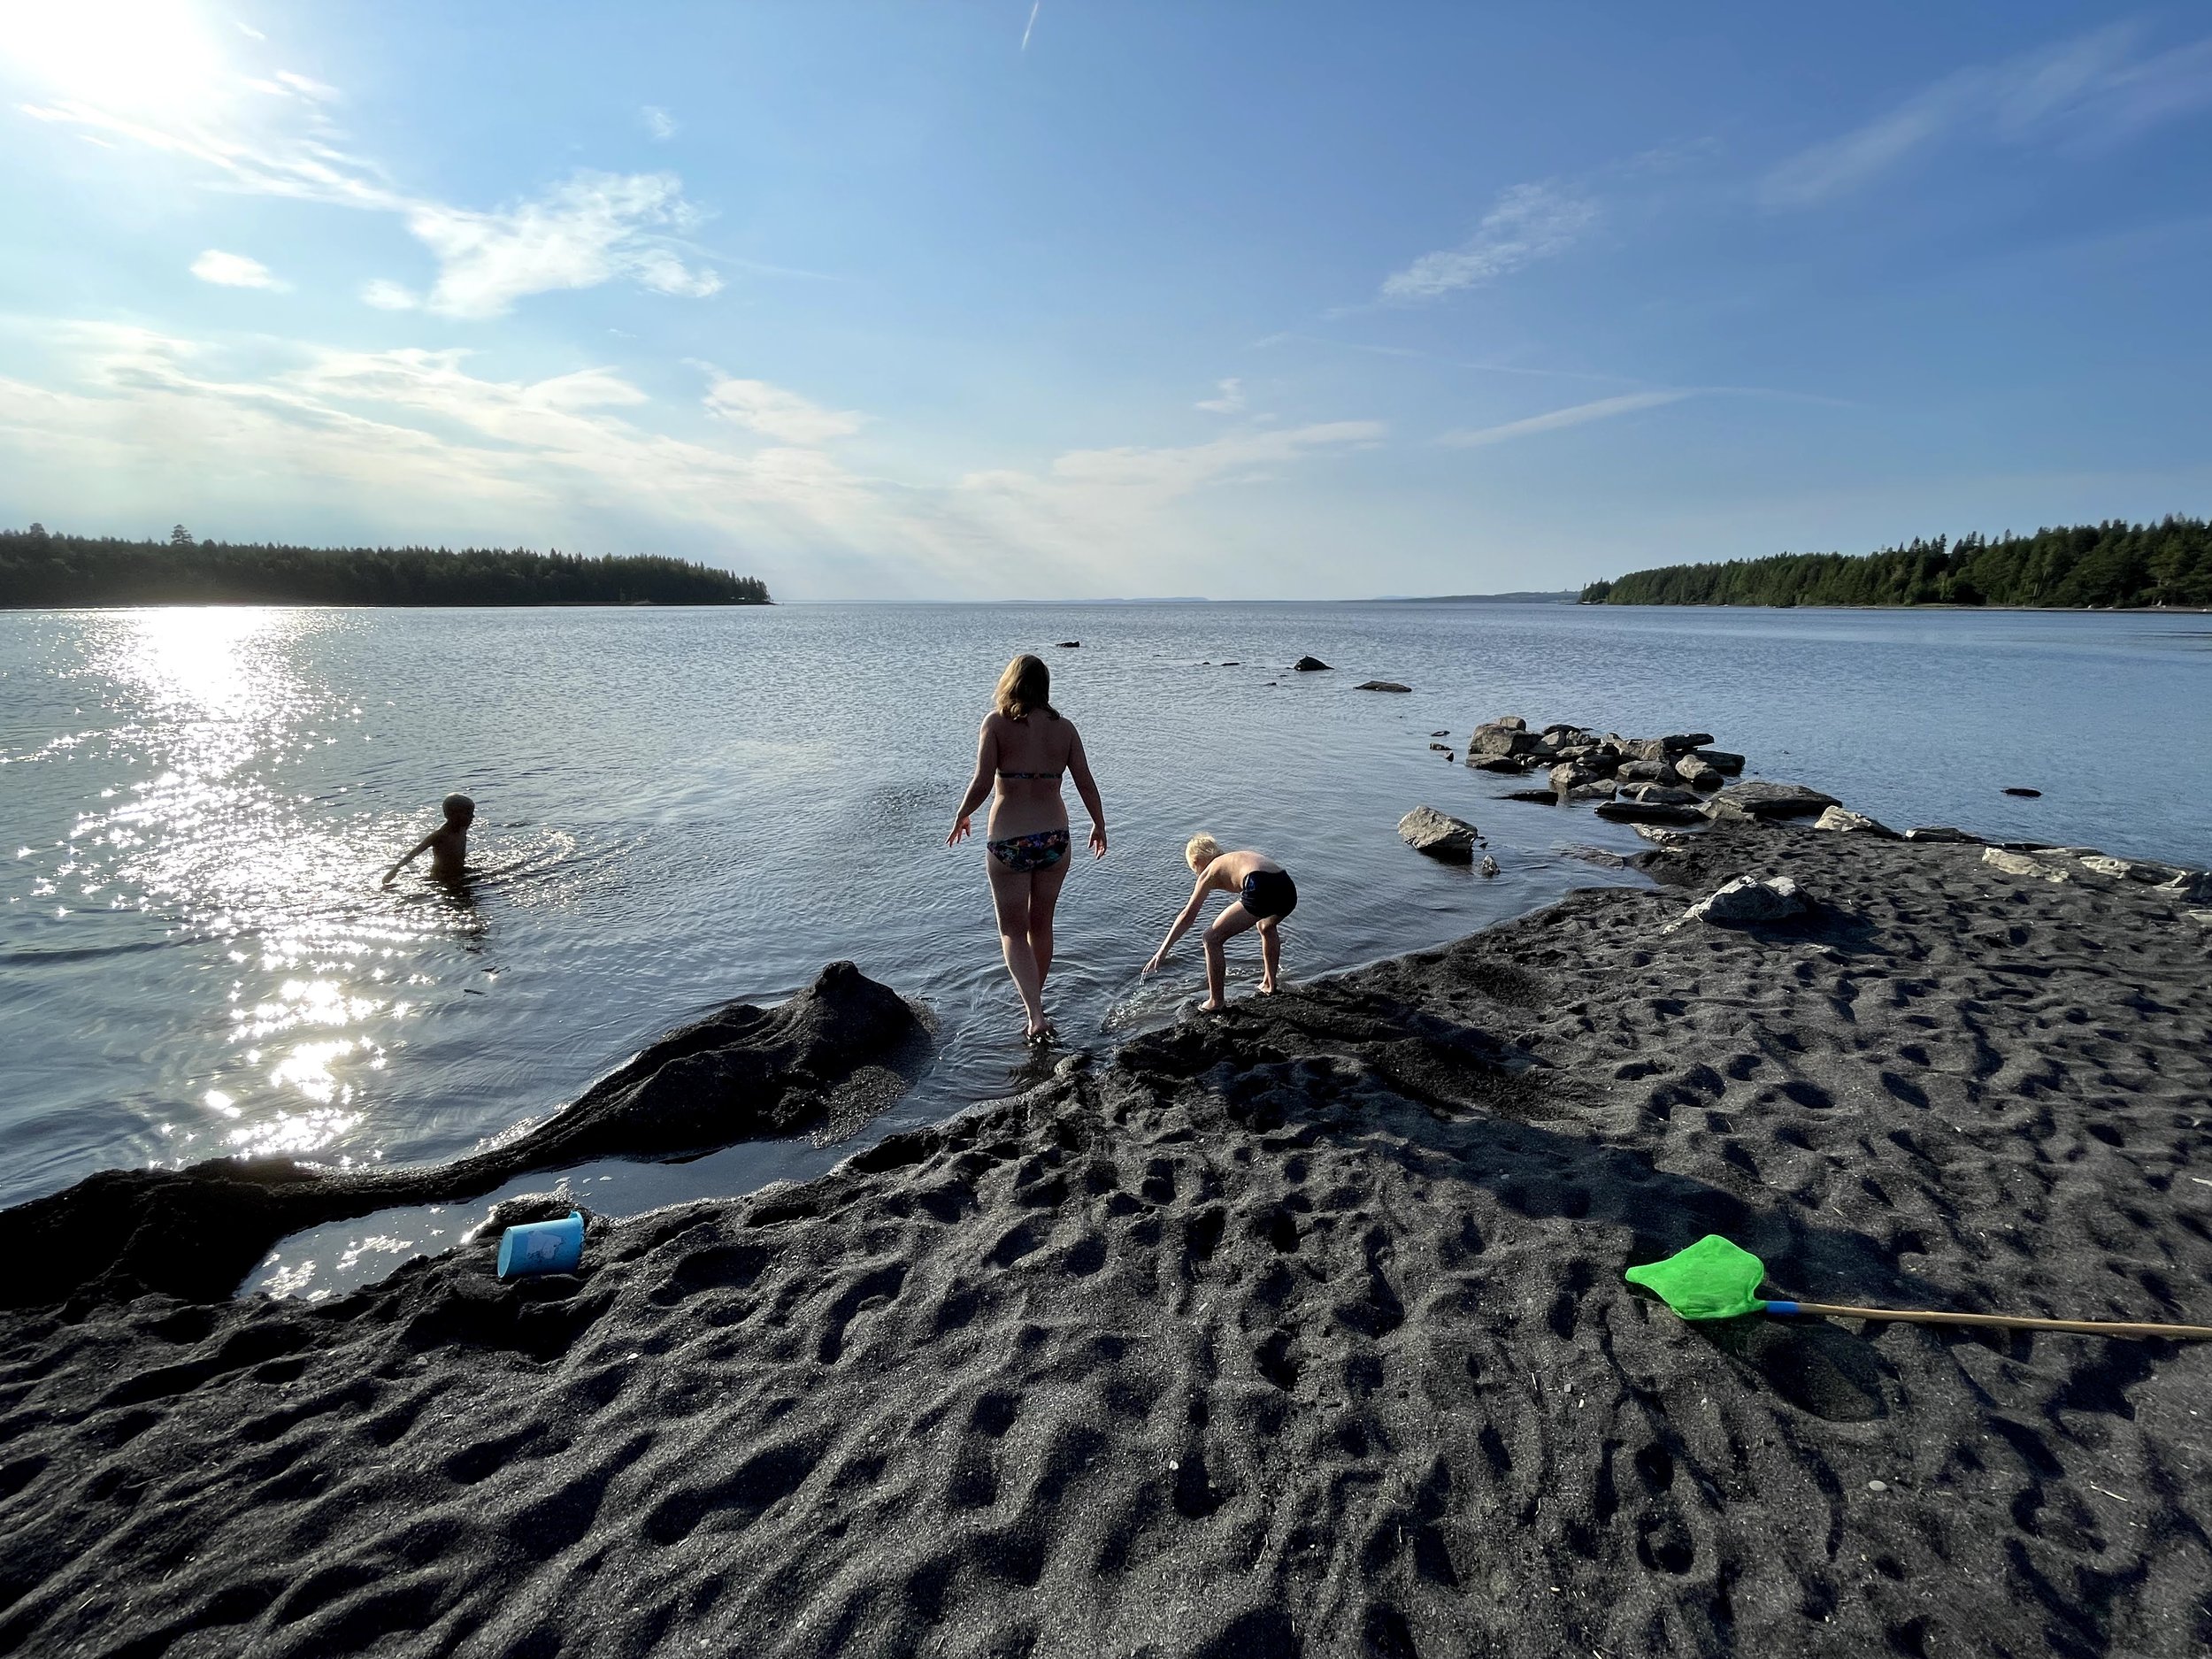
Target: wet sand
(1296, 1331)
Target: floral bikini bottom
(1041, 851)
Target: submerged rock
(1533, 797)
(740, 1073)
(1380, 685)
(1439, 834)
(2026, 795)
(1942, 834)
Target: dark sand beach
(1298, 1331)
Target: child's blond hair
(1200, 850)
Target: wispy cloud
(417, 444)
(658, 122)
(235, 271)
(1228, 398)
(591, 228)
(390, 296)
(2094, 89)
(775, 412)
(1529, 222)
(1578, 415)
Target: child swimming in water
(447, 845)
(1266, 894)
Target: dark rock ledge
(829, 1056)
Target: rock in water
(1489, 865)
(1648, 812)
(1762, 799)
(1499, 740)
(1380, 685)
(1658, 795)
(1747, 900)
(1533, 797)
(1439, 834)
(1649, 771)
(1069, 645)
(1685, 742)
(1838, 818)
(2026, 795)
(1719, 759)
(1510, 722)
(1309, 666)
(1696, 773)
(1942, 834)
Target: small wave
(93, 953)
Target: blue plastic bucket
(542, 1247)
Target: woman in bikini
(1024, 749)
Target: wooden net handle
(2087, 1328)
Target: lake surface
(680, 807)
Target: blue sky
(1090, 299)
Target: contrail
(1031, 26)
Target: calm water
(680, 807)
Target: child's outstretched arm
(1183, 922)
(421, 847)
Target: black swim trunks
(1269, 893)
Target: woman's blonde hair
(1200, 850)
(1025, 687)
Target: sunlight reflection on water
(677, 808)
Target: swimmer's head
(459, 809)
(1200, 850)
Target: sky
(1052, 299)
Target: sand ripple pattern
(1297, 1333)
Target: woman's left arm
(1087, 786)
(979, 785)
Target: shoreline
(1293, 1331)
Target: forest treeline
(37, 568)
(2115, 564)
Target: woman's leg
(1224, 927)
(1044, 895)
(1271, 953)
(1009, 898)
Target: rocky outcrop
(1942, 834)
(827, 1055)
(1311, 665)
(1762, 799)
(1439, 834)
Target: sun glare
(129, 56)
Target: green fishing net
(1712, 1279)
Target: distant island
(2114, 566)
(38, 568)
(1564, 597)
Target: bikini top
(1052, 776)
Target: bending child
(447, 845)
(1266, 894)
